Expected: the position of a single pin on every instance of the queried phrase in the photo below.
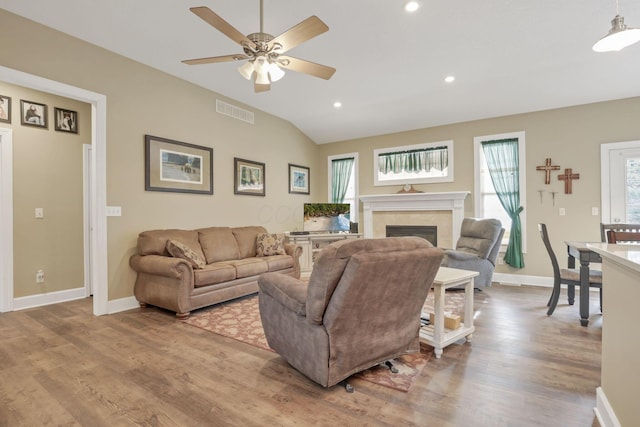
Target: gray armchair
(477, 248)
(361, 307)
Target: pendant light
(618, 37)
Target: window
(414, 164)
(343, 181)
(487, 202)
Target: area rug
(240, 320)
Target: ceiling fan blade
(261, 88)
(307, 67)
(212, 59)
(221, 25)
(305, 30)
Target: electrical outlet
(561, 212)
(39, 213)
(40, 276)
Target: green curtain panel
(340, 176)
(414, 160)
(504, 168)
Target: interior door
(624, 185)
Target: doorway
(97, 197)
(620, 188)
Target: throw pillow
(180, 250)
(270, 244)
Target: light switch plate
(39, 213)
(114, 211)
(561, 212)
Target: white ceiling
(508, 56)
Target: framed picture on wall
(5, 109)
(65, 120)
(177, 167)
(298, 179)
(33, 114)
(249, 178)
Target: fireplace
(427, 232)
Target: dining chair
(605, 228)
(567, 276)
(614, 236)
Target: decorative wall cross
(547, 168)
(568, 177)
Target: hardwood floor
(60, 365)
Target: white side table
(436, 335)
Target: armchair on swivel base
(361, 307)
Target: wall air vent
(233, 111)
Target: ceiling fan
(264, 52)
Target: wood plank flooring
(62, 366)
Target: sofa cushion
(180, 250)
(270, 244)
(213, 274)
(154, 242)
(249, 267)
(246, 238)
(218, 244)
(279, 262)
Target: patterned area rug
(240, 320)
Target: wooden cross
(547, 168)
(567, 178)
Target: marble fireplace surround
(444, 210)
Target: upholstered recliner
(477, 248)
(360, 308)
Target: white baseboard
(604, 412)
(122, 304)
(520, 279)
(39, 300)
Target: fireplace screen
(428, 232)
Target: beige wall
(141, 100)
(47, 169)
(571, 137)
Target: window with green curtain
(503, 162)
(423, 159)
(340, 176)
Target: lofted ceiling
(508, 56)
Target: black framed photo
(177, 167)
(33, 114)
(249, 177)
(298, 179)
(5, 109)
(65, 120)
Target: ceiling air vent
(233, 111)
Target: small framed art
(177, 167)
(298, 179)
(5, 109)
(33, 114)
(65, 120)
(249, 177)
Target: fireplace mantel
(445, 201)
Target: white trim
(605, 149)
(604, 412)
(39, 300)
(477, 140)
(6, 220)
(355, 183)
(98, 168)
(420, 180)
(522, 279)
(86, 215)
(123, 304)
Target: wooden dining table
(584, 254)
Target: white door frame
(98, 199)
(6, 220)
(86, 216)
(605, 150)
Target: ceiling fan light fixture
(618, 37)
(246, 70)
(275, 72)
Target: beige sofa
(183, 270)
